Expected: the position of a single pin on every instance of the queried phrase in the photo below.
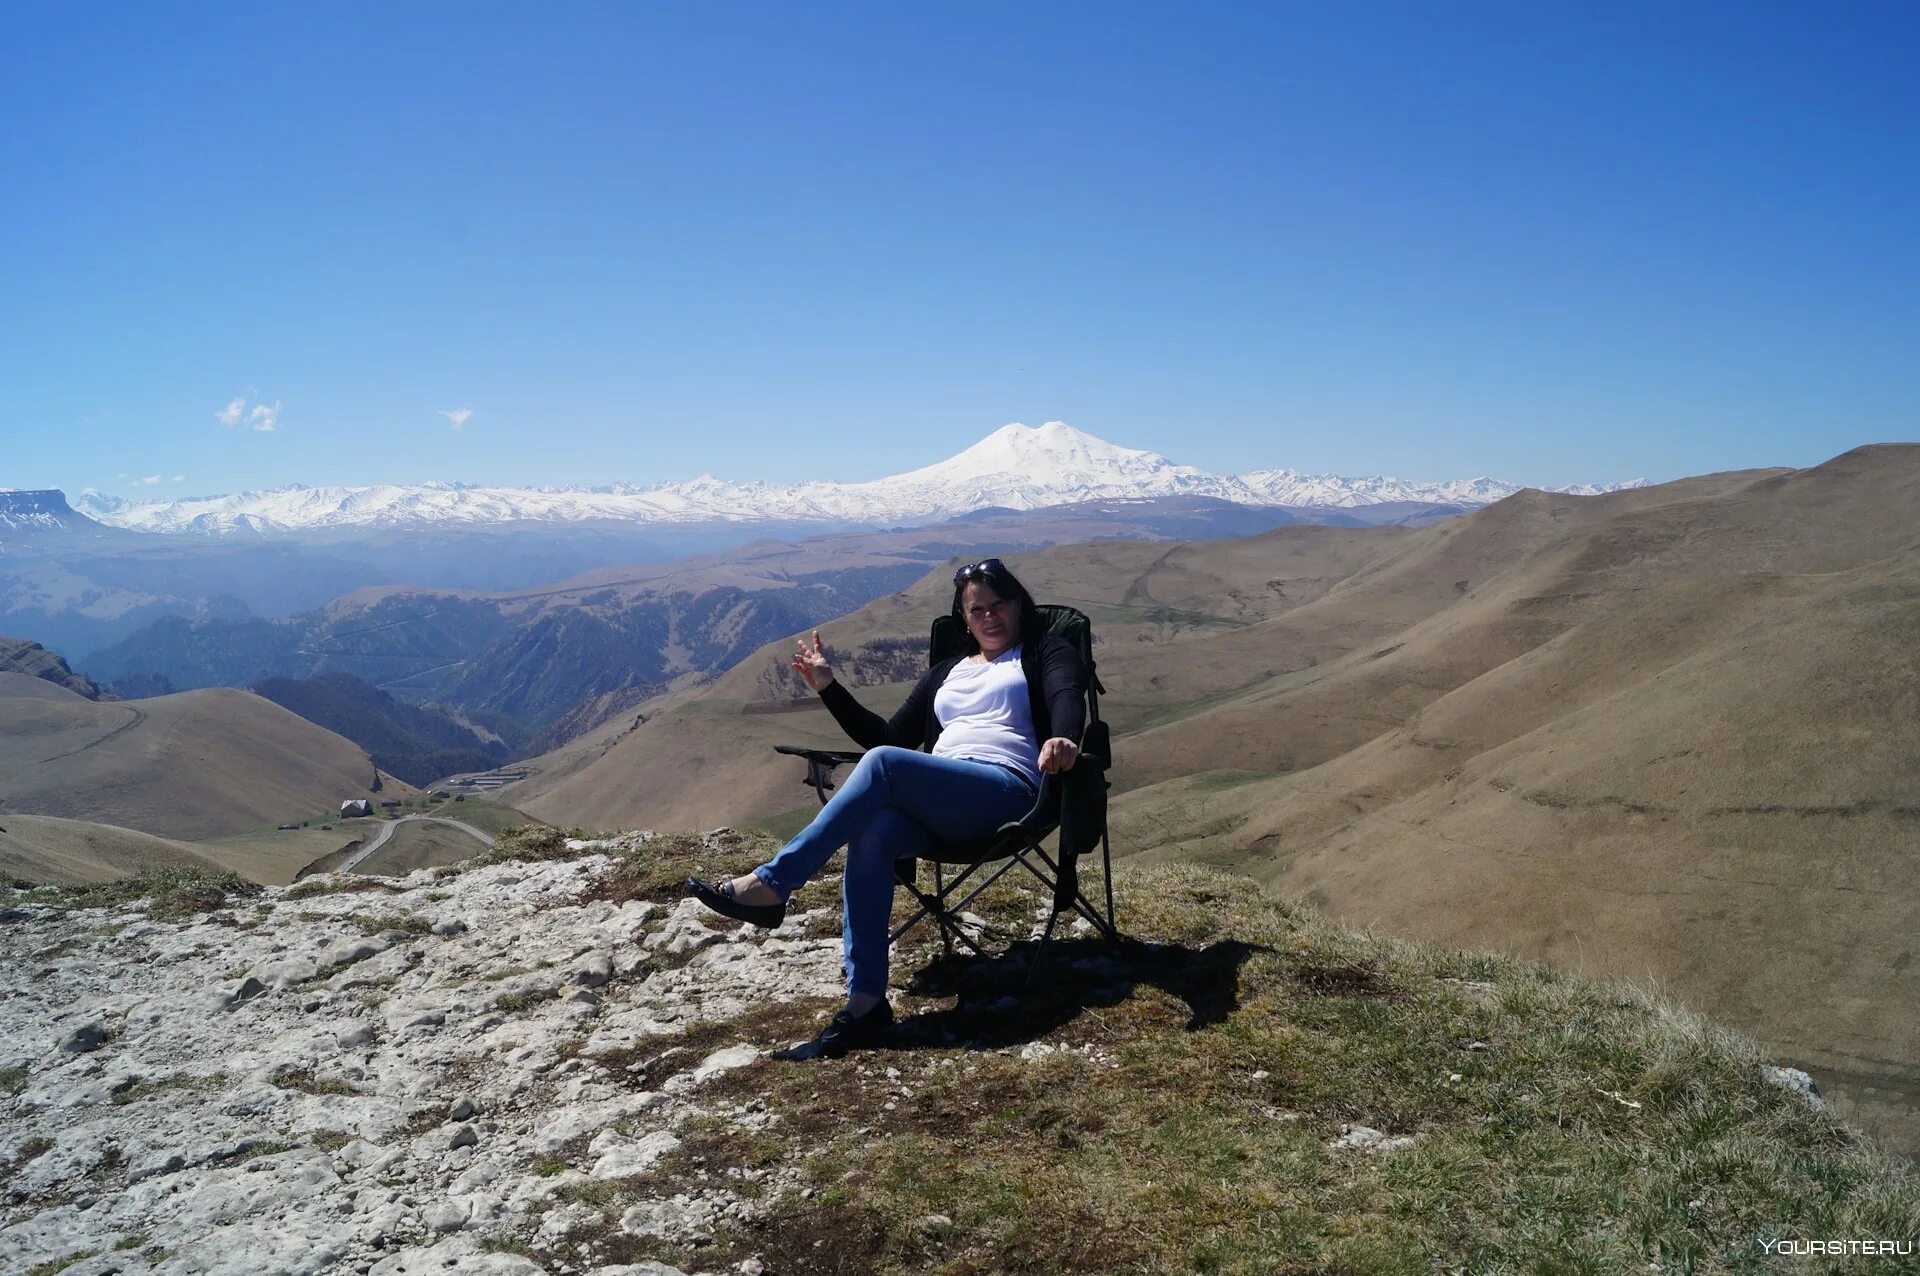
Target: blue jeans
(888, 809)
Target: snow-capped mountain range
(1016, 467)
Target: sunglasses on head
(985, 567)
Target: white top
(984, 715)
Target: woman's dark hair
(993, 573)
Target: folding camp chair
(1073, 802)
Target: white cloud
(258, 417)
(89, 491)
(457, 417)
(149, 480)
(179, 478)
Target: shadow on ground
(997, 1006)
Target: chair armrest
(832, 757)
(821, 764)
(1046, 809)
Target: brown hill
(43, 848)
(196, 765)
(707, 750)
(1672, 731)
(1682, 740)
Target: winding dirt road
(386, 833)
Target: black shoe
(720, 899)
(848, 1030)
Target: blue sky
(1549, 243)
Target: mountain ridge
(1017, 467)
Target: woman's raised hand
(811, 664)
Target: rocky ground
(555, 1064)
(375, 1082)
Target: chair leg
(1033, 967)
(938, 908)
(940, 892)
(1106, 874)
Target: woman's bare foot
(751, 890)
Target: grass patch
(171, 893)
(657, 870)
(33, 1147)
(337, 884)
(59, 1265)
(253, 1150)
(514, 1003)
(599, 1194)
(520, 842)
(787, 824)
(411, 924)
(180, 1081)
(498, 1244)
(13, 1081)
(494, 977)
(304, 1080)
(332, 1140)
(111, 1160)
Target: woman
(991, 721)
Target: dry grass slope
(42, 848)
(196, 765)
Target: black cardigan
(1056, 695)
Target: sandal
(720, 899)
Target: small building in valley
(355, 806)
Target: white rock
(359, 1154)
(565, 1221)
(354, 1035)
(592, 970)
(445, 1216)
(684, 933)
(458, 1255)
(400, 1024)
(1796, 1080)
(660, 1218)
(629, 1157)
(724, 1061)
(567, 1124)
